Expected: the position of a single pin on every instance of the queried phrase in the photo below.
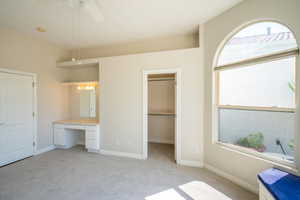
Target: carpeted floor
(74, 174)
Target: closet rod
(162, 114)
(162, 79)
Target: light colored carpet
(74, 174)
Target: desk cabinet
(92, 139)
(59, 136)
(67, 136)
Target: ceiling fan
(76, 9)
(91, 8)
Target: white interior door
(16, 119)
(175, 118)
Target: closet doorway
(162, 113)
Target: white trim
(44, 150)
(190, 163)
(11, 71)
(35, 110)
(145, 115)
(234, 179)
(177, 72)
(297, 126)
(257, 155)
(121, 154)
(258, 60)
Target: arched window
(255, 91)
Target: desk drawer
(91, 128)
(59, 136)
(91, 135)
(59, 126)
(91, 144)
(75, 127)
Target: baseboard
(161, 141)
(121, 154)
(190, 163)
(233, 179)
(44, 150)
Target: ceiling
(117, 21)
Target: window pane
(262, 131)
(263, 85)
(257, 40)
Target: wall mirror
(83, 99)
(87, 103)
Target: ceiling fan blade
(92, 8)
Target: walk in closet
(161, 112)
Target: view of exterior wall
(266, 85)
(235, 125)
(257, 40)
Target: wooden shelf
(78, 63)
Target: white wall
(83, 74)
(21, 52)
(244, 168)
(121, 100)
(142, 46)
(161, 99)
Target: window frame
(216, 102)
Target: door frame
(35, 118)
(177, 72)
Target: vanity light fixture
(90, 86)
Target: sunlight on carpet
(201, 191)
(196, 190)
(170, 194)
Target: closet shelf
(161, 114)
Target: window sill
(257, 108)
(280, 163)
